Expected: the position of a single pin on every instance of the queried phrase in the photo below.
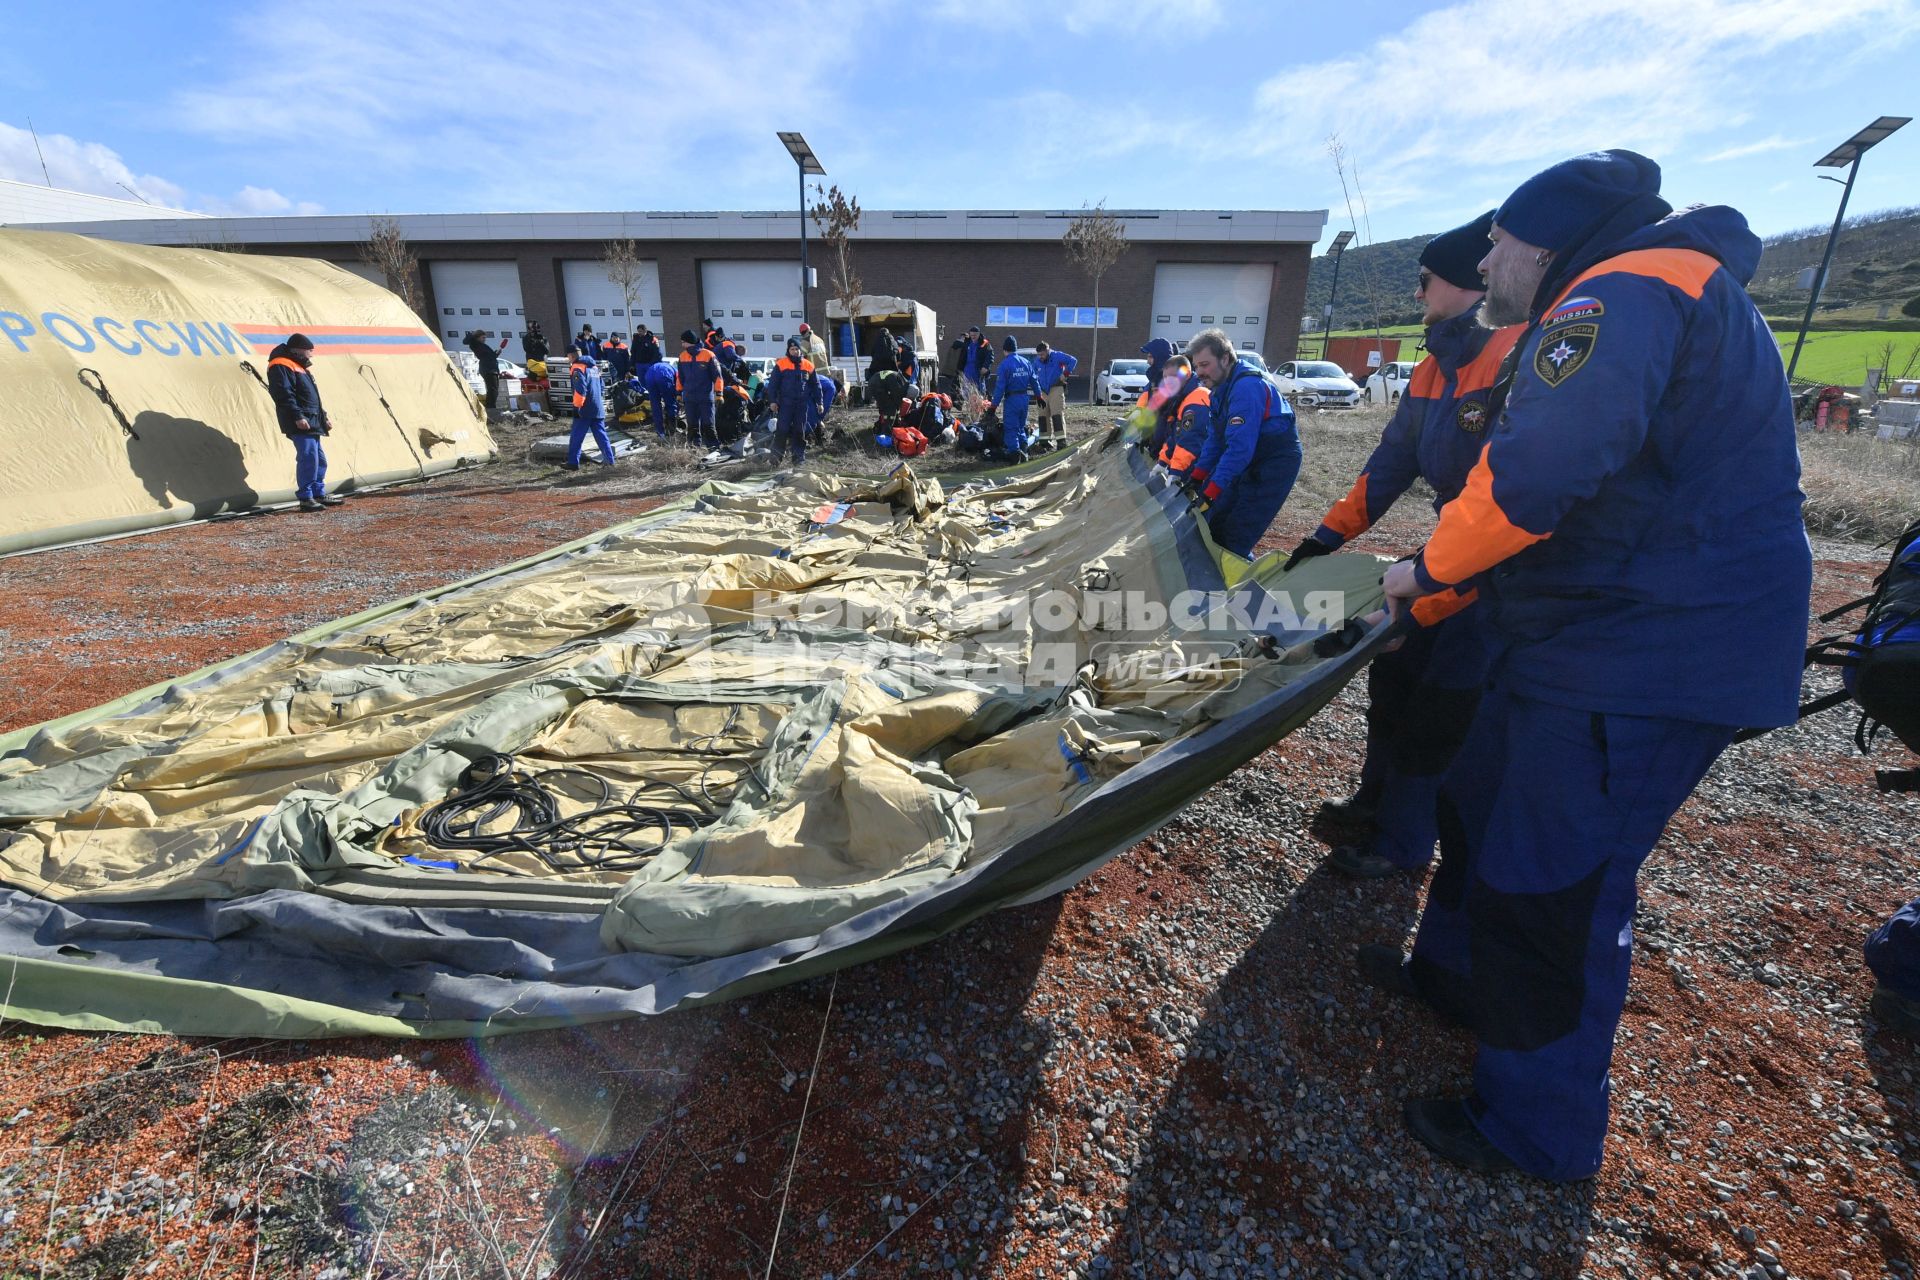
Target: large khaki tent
(135, 392)
(778, 727)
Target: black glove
(1307, 550)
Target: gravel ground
(1168, 1071)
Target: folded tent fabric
(856, 774)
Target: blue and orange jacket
(976, 358)
(793, 387)
(1190, 416)
(589, 391)
(1240, 415)
(590, 345)
(699, 373)
(722, 346)
(1054, 369)
(618, 358)
(1436, 434)
(1634, 518)
(295, 395)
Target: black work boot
(1385, 968)
(308, 504)
(332, 500)
(1445, 1127)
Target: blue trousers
(309, 467)
(662, 405)
(1527, 935)
(700, 420)
(790, 432)
(1893, 952)
(1421, 700)
(1241, 516)
(1013, 423)
(578, 440)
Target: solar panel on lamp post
(1845, 156)
(802, 156)
(1340, 243)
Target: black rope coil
(613, 834)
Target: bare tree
(622, 260)
(387, 249)
(1094, 242)
(837, 215)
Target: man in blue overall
(1014, 385)
(296, 404)
(1634, 528)
(663, 395)
(699, 372)
(796, 394)
(1251, 455)
(589, 411)
(1421, 696)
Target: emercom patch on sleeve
(1563, 349)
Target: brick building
(1242, 270)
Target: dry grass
(1859, 487)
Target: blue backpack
(1880, 664)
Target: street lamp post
(803, 156)
(1845, 156)
(1340, 243)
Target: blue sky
(352, 107)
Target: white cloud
(1145, 20)
(503, 107)
(1760, 148)
(73, 165)
(1519, 90)
(97, 169)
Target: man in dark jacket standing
(489, 357)
(296, 402)
(1634, 525)
(699, 371)
(1421, 696)
(646, 348)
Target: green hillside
(1876, 267)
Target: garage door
(1191, 296)
(476, 295)
(593, 299)
(759, 301)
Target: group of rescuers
(1618, 583)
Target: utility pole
(1340, 243)
(1846, 155)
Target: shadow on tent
(185, 460)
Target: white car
(1121, 382)
(1387, 382)
(469, 365)
(1318, 384)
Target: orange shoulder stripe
(1687, 270)
(1427, 380)
(287, 363)
(1474, 533)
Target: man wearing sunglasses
(1421, 696)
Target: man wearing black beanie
(1634, 528)
(1422, 696)
(296, 403)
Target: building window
(1206, 319)
(759, 337)
(758, 316)
(466, 311)
(736, 313)
(1163, 319)
(779, 315)
(579, 311)
(656, 311)
(486, 311)
(1251, 321)
(1186, 319)
(1229, 319)
(599, 311)
(1008, 317)
(446, 311)
(519, 311)
(778, 337)
(1086, 317)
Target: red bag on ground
(909, 442)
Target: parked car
(1319, 384)
(1387, 382)
(1121, 382)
